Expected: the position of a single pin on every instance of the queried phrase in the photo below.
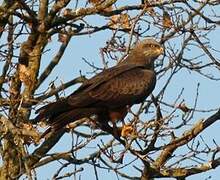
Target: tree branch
(186, 137)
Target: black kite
(108, 94)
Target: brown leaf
(94, 2)
(62, 37)
(127, 131)
(42, 124)
(67, 12)
(120, 21)
(108, 9)
(167, 23)
(24, 74)
(183, 107)
(29, 134)
(27, 126)
(98, 2)
(149, 9)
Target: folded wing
(113, 88)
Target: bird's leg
(114, 131)
(116, 115)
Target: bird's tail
(52, 110)
(65, 118)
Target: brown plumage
(108, 94)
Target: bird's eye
(150, 45)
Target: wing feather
(104, 76)
(114, 87)
(125, 89)
(82, 97)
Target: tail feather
(52, 110)
(71, 116)
(59, 122)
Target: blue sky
(88, 47)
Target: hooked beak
(161, 50)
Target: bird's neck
(150, 66)
(139, 59)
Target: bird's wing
(104, 76)
(128, 87)
(115, 87)
(81, 98)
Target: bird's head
(150, 48)
(145, 52)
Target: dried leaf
(108, 9)
(67, 12)
(18, 140)
(120, 21)
(98, 2)
(24, 74)
(62, 37)
(42, 124)
(94, 2)
(149, 9)
(30, 134)
(127, 131)
(183, 107)
(167, 23)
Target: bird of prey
(108, 94)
